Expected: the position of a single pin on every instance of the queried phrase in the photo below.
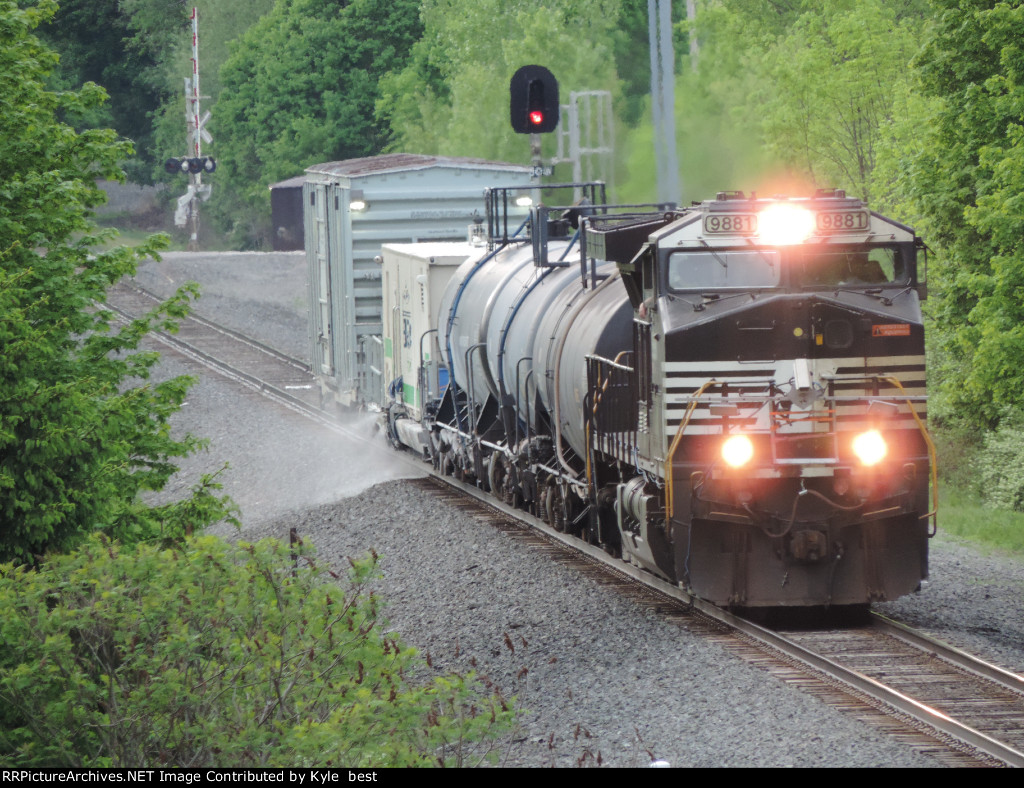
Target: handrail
(669, 491)
(694, 401)
(931, 454)
(597, 398)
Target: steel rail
(1014, 682)
(250, 381)
(921, 712)
(764, 638)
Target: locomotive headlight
(737, 451)
(870, 447)
(782, 224)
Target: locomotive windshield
(848, 267)
(723, 269)
(806, 266)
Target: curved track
(933, 696)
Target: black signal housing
(533, 106)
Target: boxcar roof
(289, 183)
(395, 162)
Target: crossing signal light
(534, 100)
(194, 165)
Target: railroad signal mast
(584, 125)
(195, 164)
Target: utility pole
(691, 16)
(659, 28)
(194, 164)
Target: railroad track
(932, 696)
(229, 352)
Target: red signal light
(533, 100)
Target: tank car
(731, 395)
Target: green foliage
(719, 141)
(835, 80)
(217, 655)
(785, 97)
(81, 432)
(1000, 464)
(963, 515)
(452, 98)
(140, 51)
(300, 88)
(968, 182)
(98, 42)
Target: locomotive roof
(732, 219)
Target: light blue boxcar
(350, 209)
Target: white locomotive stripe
(914, 390)
(767, 368)
(748, 409)
(908, 425)
(748, 389)
(734, 385)
(751, 369)
(883, 361)
(697, 379)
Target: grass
(961, 514)
(132, 231)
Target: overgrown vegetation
(207, 654)
(83, 431)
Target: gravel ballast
(603, 675)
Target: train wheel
(446, 463)
(500, 480)
(555, 506)
(495, 474)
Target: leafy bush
(1000, 464)
(82, 430)
(957, 445)
(217, 655)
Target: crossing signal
(193, 165)
(533, 94)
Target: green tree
(834, 87)
(300, 88)
(98, 42)
(215, 655)
(788, 95)
(82, 432)
(968, 180)
(140, 51)
(452, 98)
(719, 142)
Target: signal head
(533, 106)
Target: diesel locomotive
(729, 395)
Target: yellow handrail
(669, 484)
(928, 442)
(675, 444)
